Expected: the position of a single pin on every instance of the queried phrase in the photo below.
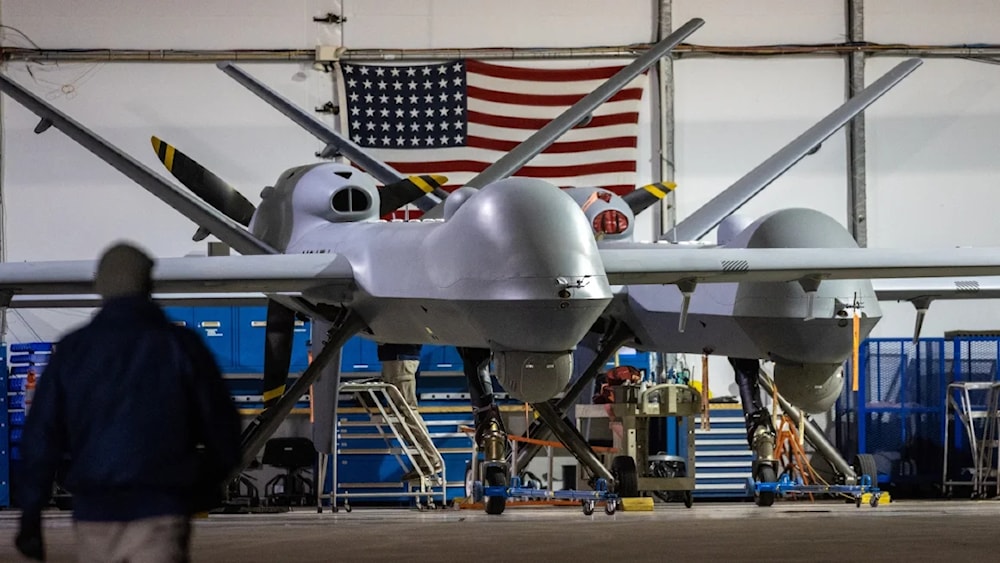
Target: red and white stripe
(506, 104)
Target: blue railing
(899, 412)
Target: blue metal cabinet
(216, 326)
(300, 345)
(360, 357)
(251, 326)
(183, 316)
(441, 359)
(5, 426)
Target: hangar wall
(931, 142)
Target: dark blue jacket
(392, 352)
(140, 409)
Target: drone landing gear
(491, 437)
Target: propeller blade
(639, 200)
(409, 189)
(279, 333)
(214, 190)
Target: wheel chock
(883, 498)
(637, 504)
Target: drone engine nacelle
(814, 388)
(609, 216)
(533, 377)
(313, 195)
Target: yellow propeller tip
(428, 182)
(660, 189)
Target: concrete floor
(788, 531)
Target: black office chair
(295, 455)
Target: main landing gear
(491, 437)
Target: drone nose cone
(531, 223)
(519, 229)
(521, 256)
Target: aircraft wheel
(765, 474)
(626, 476)
(496, 477)
(864, 464)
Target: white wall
(932, 152)
(931, 160)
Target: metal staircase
(975, 403)
(406, 438)
(723, 460)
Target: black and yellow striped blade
(640, 199)
(407, 190)
(278, 336)
(195, 177)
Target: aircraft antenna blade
(639, 200)
(921, 313)
(229, 232)
(699, 223)
(687, 290)
(542, 139)
(407, 190)
(922, 304)
(206, 185)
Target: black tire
(496, 477)
(626, 476)
(588, 507)
(469, 481)
(765, 474)
(610, 506)
(864, 464)
(688, 499)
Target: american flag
(457, 117)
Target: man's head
(124, 270)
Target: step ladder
(976, 404)
(405, 436)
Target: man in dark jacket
(138, 407)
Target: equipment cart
(634, 408)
